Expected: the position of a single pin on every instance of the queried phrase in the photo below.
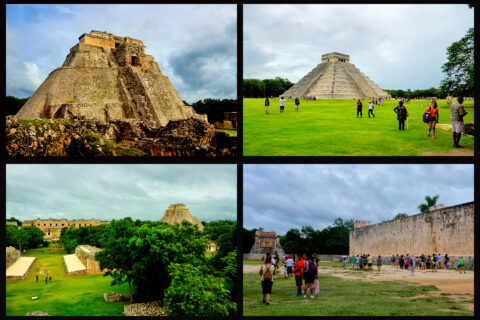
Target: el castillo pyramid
(106, 78)
(176, 213)
(336, 78)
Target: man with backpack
(298, 271)
(310, 275)
(297, 103)
(267, 272)
(402, 115)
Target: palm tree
(431, 201)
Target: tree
(214, 108)
(292, 242)
(23, 238)
(14, 104)
(248, 239)
(400, 215)
(19, 223)
(459, 68)
(430, 202)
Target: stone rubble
(153, 308)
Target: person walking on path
(370, 262)
(267, 106)
(297, 103)
(359, 108)
(282, 105)
(267, 271)
(357, 260)
(379, 263)
(344, 260)
(402, 115)
(457, 113)
(310, 274)
(370, 109)
(461, 265)
(432, 118)
(298, 270)
(352, 259)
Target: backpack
(268, 274)
(426, 116)
(311, 268)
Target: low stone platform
(21, 268)
(73, 265)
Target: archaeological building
(336, 78)
(442, 230)
(52, 227)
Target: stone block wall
(86, 254)
(12, 255)
(447, 230)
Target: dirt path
(447, 281)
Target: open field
(80, 295)
(331, 128)
(391, 292)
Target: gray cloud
(117, 191)
(397, 46)
(281, 197)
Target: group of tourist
(45, 273)
(304, 269)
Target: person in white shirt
(282, 105)
(290, 263)
(370, 109)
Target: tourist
(36, 278)
(364, 262)
(46, 280)
(447, 261)
(267, 271)
(402, 115)
(434, 263)
(357, 260)
(397, 260)
(50, 278)
(344, 260)
(359, 108)
(393, 260)
(461, 265)
(401, 262)
(428, 262)
(267, 105)
(315, 258)
(352, 258)
(439, 262)
(290, 263)
(432, 118)
(282, 105)
(379, 263)
(370, 109)
(297, 103)
(407, 261)
(298, 271)
(412, 264)
(457, 113)
(310, 274)
(370, 262)
(422, 262)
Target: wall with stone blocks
(447, 230)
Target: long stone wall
(447, 230)
(12, 255)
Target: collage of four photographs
(239, 160)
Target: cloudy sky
(194, 45)
(117, 191)
(282, 197)
(397, 46)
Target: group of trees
(331, 240)
(13, 104)
(168, 262)
(28, 237)
(214, 108)
(419, 93)
(255, 88)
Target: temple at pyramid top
(106, 78)
(336, 78)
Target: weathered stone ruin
(108, 86)
(441, 230)
(229, 121)
(177, 213)
(86, 254)
(336, 78)
(12, 255)
(265, 242)
(106, 77)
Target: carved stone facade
(52, 227)
(267, 242)
(107, 77)
(177, 213)
(445, 230)
(336, 78)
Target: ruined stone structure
(266, 242)
(86, 254)
(52, 227)
(444, 230)
(229, 121)
(176, 213)
(336, 78)
(107, 78)
(12, 255)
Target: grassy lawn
(331, 128)
(65, 296)
(339, 297)
(227, 131)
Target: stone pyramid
(336, 78)
(106, 77)
(176, 213)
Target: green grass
(331, 128)
(227, 131)
(339, 297)
(80, 295)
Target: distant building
(53, 227)
(11, 223)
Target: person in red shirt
(298, 271)
(433, 118)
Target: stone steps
(73, 265)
